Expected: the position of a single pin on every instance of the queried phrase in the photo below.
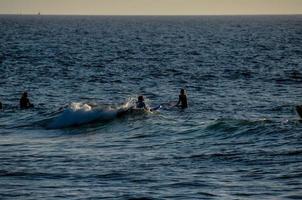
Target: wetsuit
(183, 101)
(141, 104)
(24, 103)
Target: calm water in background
(240, 138)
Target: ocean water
(240, 138)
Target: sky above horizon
(151, 7)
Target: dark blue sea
(240, 137)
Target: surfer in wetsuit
(24, 102)
(0, 105)
(182, 100)
(140, 103)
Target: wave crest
(81, 113)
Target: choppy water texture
(240, 138)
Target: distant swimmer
(182, 101)
(141, 103)
(24, 102)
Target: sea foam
(80, 113)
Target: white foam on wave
(79, 114)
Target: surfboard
(155, 108)
(123, 112)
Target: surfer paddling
(141, 103)
(24, 102)
(182, 100)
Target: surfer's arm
(145, 107)
(30, 105)
(179, 100)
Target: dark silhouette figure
(182, 101)
(0, 105)
(24, 102)
(299, 110)
(140, 102)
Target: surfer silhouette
(24, 102)
(141, 102)
(299, 110)
(0, 105)
(182, 100)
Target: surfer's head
(140, 98)
(24, 94)
(182, 91)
